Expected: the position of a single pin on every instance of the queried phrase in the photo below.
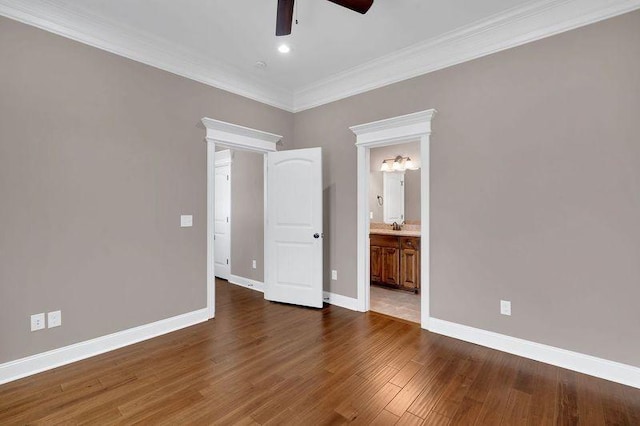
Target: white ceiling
(219, 41)
(327, 40)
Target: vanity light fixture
(398, 164)
(283, 48)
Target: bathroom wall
(411, 180)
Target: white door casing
(396, 130)
(222, 228)
(294, 227)
(233, 136)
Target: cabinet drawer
(384, 241)
(412, 243)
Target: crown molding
(508, 29)
(143, 47)
(511, 28)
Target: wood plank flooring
(266, 363)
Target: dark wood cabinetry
(390, 265)
(395, 261)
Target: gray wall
(535, 187)
(247, 215)
(99, 156)
(411, 180)
(535, 171)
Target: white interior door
(222, 233)
(293, 272)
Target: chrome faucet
(396, 227)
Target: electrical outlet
(334, 275)
(54, 319)
(255, 265)
(37, 322)
(186, 221)
(370, 215)
(505, 307)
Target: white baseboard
(247, 282)
(332, 298)
(34, 364)
(587, 364)
(342, 301)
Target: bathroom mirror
(394, 184)
(393, 197)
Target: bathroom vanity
(395, 258)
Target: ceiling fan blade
(285, 17)
(360, 6)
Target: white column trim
(211, 220)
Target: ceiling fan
(285, 12)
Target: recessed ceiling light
(261, 64)
(283, 48)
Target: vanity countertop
(401, 233)
(408, 230)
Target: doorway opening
(227, 136)
(393, 131)
(394, 230)
(239, 221)
(292, 214)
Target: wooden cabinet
(395, 261)
(376, 263)
(390, 266)
(409, 269)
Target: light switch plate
(255, 265)
(186, 221)
(370, 215)
(505, 307)
(54, 319)
(37, 322)
(334, 275)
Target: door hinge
(227, 177)
(227, 261)
(214, 238)
(227, 219)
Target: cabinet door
(375, 259)
(410, 269)
(390, 265)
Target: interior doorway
(244, 219)
(395, 231)
(393, 131)
(292, 216)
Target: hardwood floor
(266, 363)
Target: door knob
(316, 235)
